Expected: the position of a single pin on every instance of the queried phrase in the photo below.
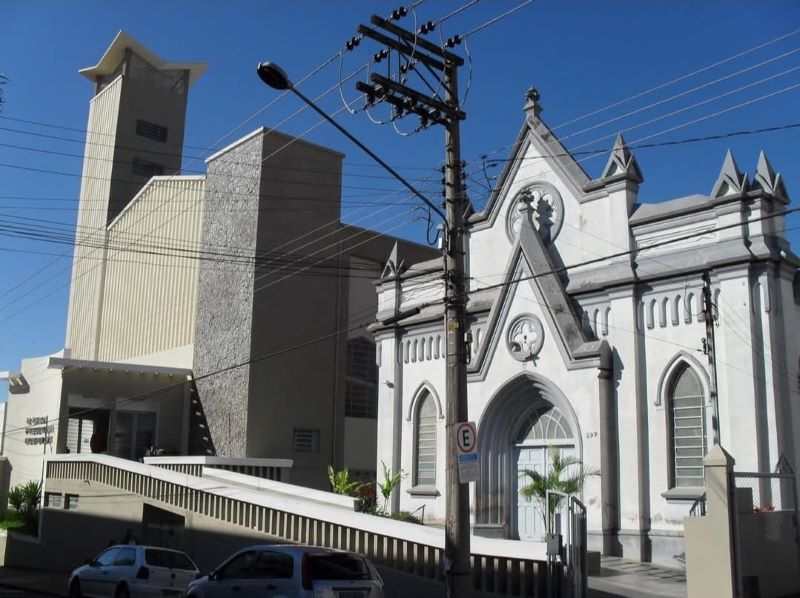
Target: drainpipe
(609, 454)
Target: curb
(22, 588)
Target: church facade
(587, 335)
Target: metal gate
(566, 546)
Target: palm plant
(390, 482)
(340, 481)
(32, 496)
(16, 498)
(566, 475)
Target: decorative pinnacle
(532, 98)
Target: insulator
(353, 43)
(453, 41)
(427, 28)
(399, 13)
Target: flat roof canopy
(115, 367)
(115, 53)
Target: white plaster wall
(579, 386)
(791, 360)
(43, 399)
(430, 375)
(590, 228)
(622, 335)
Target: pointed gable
(532, 264)
(731, 181)
(769, 181)
(393, 266)
(622, 164)
(535, 138)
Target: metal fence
(768, 503)
(764, 492)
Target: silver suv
(291, 571)
(134, 571)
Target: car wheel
(122, 591)
(75, 588)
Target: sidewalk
(51, 583)
(632, 579)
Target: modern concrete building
(195, 316)
(587, 333)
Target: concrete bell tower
(135, 132)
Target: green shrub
(12, 520)
(367, 501)
(16, 498)
(32, 496)
(24, 500)
(407, 517)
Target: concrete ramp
(219, 511)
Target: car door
(94, 579)
(227, 580)
(271, 575)
(124, 567)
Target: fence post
(710, 540)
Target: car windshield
(337, 566)
(168, 558)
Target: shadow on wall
(200, 441)
(68, 538)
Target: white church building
(586, 331)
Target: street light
(457, 568)
(274, 76)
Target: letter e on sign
(467, 445)
(466, 437)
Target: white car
(134, 571)
(290, 571)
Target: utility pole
(414, 51)
(711, 352)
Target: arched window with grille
(687, 425)
(425, 441)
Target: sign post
(467, 443)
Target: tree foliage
(566, 475)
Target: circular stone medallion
(525, 337)
(548, 210)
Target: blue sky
(582, 56)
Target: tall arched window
(688, 428)
(425, 442)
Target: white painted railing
(503, 566)
(269, 469)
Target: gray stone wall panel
(225, 295)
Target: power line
(656, 88)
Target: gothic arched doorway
(524, 418)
